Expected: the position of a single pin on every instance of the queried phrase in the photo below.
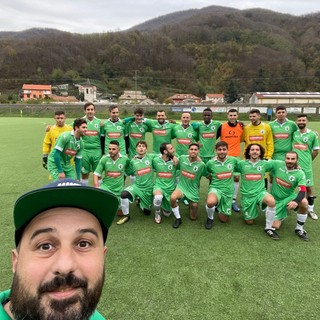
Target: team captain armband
(301, 194)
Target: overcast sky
(85, 16)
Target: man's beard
(302, 125)
(81, 306)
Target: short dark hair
(281, 108)
(163, 147)
(142, 142)
(221, 144)
(138, 111)
(78, 122)
(233, 110)
(302, 115)
(86, 105)
(59, 112)
(194, 144)
(246, 154)
(115, 142)
(254, 111)
(207, 109)
(112, 107)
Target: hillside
(214, 49)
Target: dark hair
(87, 105)
(233, 110)
(246, 154)
(207, 109)
(193, 144)
(281, 108)
(59, 112)
(302, 115)
(161, 111)
(142, 142)
(221, 144)
(254, 111)
(115, 142)
(112, 107)
(138, 111)
(78, 122)
(163, 147)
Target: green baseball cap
(65, 193)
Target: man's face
(138, 118)
(222, 153)
(58, 266)
(255, 118)
(141, 149)
(281, 115)
(193, 152)
(232, 117)
(254, 152)
(90, 112)
(302, 122)
(60, 120)
(185, 119)
(114, 114)
(291, 161)
(207, 116)
(82, 129)
(113, 151)
(161, 117)
(170, 151)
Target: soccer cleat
(209, 223)
(185, 202)
(272, 234)
(235, 207)
(123, 220)
(157, 218)
(302, 234)
(166, 213)
(177, 223)
(313, 215)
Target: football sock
(210, 212)
(301, 219)
(270, 214)
(125, 206)
(176, 212)
(236, 189)
(157, 200)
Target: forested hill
(198, 51)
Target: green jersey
(160, 132)
(184, 137)
(285, 181)
(222, 174)
(190, 175)
(69, 147)
(252, 176)
(114, 131)
(142, 170)
(282, 137)
(114, 171)
(165, 173)
(304, 144)
(4, 296)
(207, 137)
(136, 132)
(91, 140)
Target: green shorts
(249, 205)
(224, 201)
(309, 177)
(281, 207)
(166, 205)
(68, 171)
(90, 160)
(188, 195)
(145, 196)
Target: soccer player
(185, 134)
(68, 145)
(191, 170)
(113, 167)
(232, 133)
(306, 144)
(221, 169)
(207, 133)
(141, 167)
(288, 176)
(165, 169)
(253, 189)
(161, 130)
(92, 150)
(52, 133)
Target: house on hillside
(35, 91)
(147, 102)
(184, 98)
(88, 90)
(285, 98)
(215, 98)
(132, 97)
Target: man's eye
(45, 246)
(84, 244)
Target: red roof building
(36, 91)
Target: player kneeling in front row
(287, 176)
(221, 187)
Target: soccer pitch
(233, 271)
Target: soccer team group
(274, 172)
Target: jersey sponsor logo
(114, 135)
(143, 171)
(252, 176)
(166, 175)
(113, 174)
(281, 136)
(300, 146)
(283, 183)
(70, 152)
(188, 175)
(136, 135)
(256, 138)
(159, 132)
(91, 133)
(224, 175)
(184, 141)
(208, 135)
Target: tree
(232, 93)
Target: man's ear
(105, 250)
(14, 259)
